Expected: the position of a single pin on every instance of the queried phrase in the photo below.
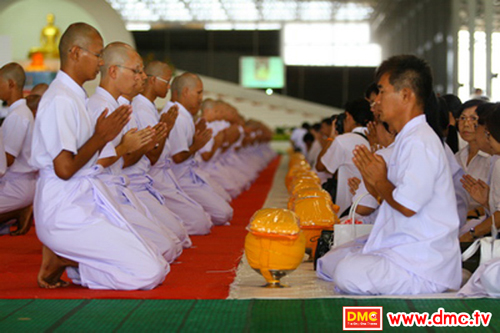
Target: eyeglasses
(159, 78)
(97, 55)
(472, 119)
(134, 70)
(163, 80)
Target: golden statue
(49, 39)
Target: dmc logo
(362, 318)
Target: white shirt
(181, 138)
(494, 199)
(313, 153)
(425, 244)
(462, 196)
(145, 113)
(478, 167)
(18, 132)
(63, 123)
(167, 107)
(181, 135)
(297, 138)
(3, 158)
(142, 166)
(339, 157)
(101, 100)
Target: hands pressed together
(371, 166)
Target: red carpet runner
(203, 272)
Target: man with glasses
(121, 74)
(78, 221)
(194, 218)
(413, 246)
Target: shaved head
(186, 80)
(78, 34)
(116, 53)
(157, 68)
(39, 89)
(13, 71)
(208, 104)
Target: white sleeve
(368, 201)
(15, 128)
(60, 127)
(495, 188)
(417, 173)
(178, 140)
(334, 156)
(3, 158)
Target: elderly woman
(473, 161)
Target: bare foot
(24, 221)
(51, 270)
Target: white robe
(214, 168)
(137, 213)
(77, 218)
(339, 157)
(142, 184)
(3, 158)
(17, 185)
(181, 138)
(195, 220)
(425, 246)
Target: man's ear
(185, 91)
(112, 72)
(74, 52)
(407, 95)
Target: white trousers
(17, 190)
(78, 220)
(194, 218)
(368, 274)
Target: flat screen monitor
(262, 72)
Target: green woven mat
(126, 315)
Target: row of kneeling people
(118, 187)
(423, 199)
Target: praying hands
(372, 168)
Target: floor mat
(302, 282)
(315, 315)
(202, 272)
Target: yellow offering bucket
(275, 244)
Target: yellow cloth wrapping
(300, 193)
(297, 172)
(315, 212)
(304, 184)
(296, 158)
(274, 222)
(274, 242)
(267, 253)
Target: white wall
(23, 20)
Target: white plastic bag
(343, 233)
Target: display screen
(262, 72)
